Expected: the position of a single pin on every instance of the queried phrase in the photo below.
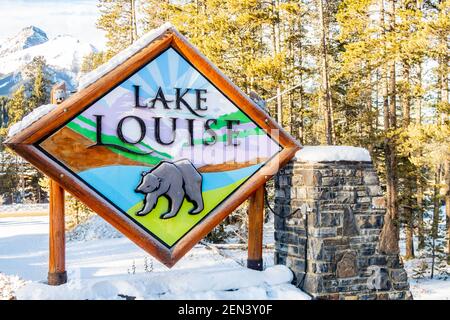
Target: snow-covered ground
(102, 264)
(8, 286)
(93, 229)
(426, 288)
(24, 208)
(113, 268)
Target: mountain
(27, 37)
(63, 54)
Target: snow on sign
(159, 143)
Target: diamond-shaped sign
(163, 146)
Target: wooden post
(57, 244)
(57, 274)
(255, 229)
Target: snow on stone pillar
(329, 215)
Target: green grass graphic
(238, 115)
(171, 230)
(91, 135)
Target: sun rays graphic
(168, 71)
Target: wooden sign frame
(25, 143)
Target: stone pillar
(328, 220)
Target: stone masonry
(328, 220)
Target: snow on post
(30, 118)
(332, 154)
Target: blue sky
(74, 17)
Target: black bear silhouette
(175, 181)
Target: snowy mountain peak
(26, 38)
(63, 54)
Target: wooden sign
(163, 146)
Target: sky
(73, 17)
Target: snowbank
(332, 153)
(425, 288)
(233, 283)
(24, 207)
(101, 270)
(30, 118)
(8, 286)
(93, 229)
(122, 56)
(429, 289)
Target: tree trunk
(435, 222)
(377, 99)
(325, 99)
(406, 101)
(390, 234)
(420, 224)
(370, 109)
(409, 220)
(301, 115)
(419, 198)
(276, 49)
(133, 21)
(445, 100)
(300, 99)
(279, 107)
(444, 94)
(420, 99)
(447, 206)
(409, 181)
(447, 214)
(291, 114)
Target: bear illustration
(174, 180)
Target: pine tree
(17, 105)
(358, 76)
(4, 112)
(118, 18)
(368, 59)
(439, 30)
(20, 178)
(92, 61)
(38, 83)
(325, 99)
(9, 163)
(411, 53)
(351, 72)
